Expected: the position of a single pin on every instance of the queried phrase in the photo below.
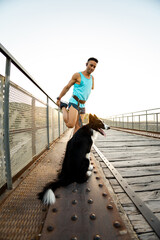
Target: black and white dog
(76, 165)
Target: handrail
(130, 113)
(49, 134)
(5, 52)
(129, 121)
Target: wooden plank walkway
(137, 159)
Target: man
(83, 83)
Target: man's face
(91, 66)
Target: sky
(53, 39)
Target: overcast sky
(53, 39)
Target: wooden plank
(146, 183)
(148, 236)
(137, 159)
(137, 163)
(147, 197)
(139, 171)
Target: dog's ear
(95, 116)
(91, 117)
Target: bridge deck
(22, 216)
(137, 159)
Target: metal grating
(20, 123)
(22, 215)
(40, 126)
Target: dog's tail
(47, 196)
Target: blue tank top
(82, 90)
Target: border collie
(76, 165)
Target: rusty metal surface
(84, 212)
(22, 215)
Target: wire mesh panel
(61, 123)
(41, 126)
(32, 123)
(20, 125)
(2, 163)
(55, 130)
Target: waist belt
(78, 100)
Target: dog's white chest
(94, 136)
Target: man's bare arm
(69, 85)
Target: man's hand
(58, 102)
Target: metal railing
(28, 125)
(147, 120)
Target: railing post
(157, 122)
(132, 121)
(146, 122)
(47, 123)
(6, 124)
(33, 128)
(59, 130)
(123, 121)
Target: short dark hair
(92, 59)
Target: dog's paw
(88, 156)
(90, 168)
(49, 197)
(88, 173)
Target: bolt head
(50, 228)
(74, 218)
(101, 185)
(88, 189)
(104, 194)
(75, 190)
(90, 201)
(54, 210)
(74, 202)
(97, 237)
(92, 216)
(110, 206)
(117, 224)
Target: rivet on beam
(90, 201)
(74, 202)
(101, 185)
(54, 210)
(88, 189)
(74, 217)
(75, 190)
(97, 237)
(110, 206)
(117, 224)
(74, 238)
(50, 228)
(104, 194)
(92, 216)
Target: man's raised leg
(70, 117)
